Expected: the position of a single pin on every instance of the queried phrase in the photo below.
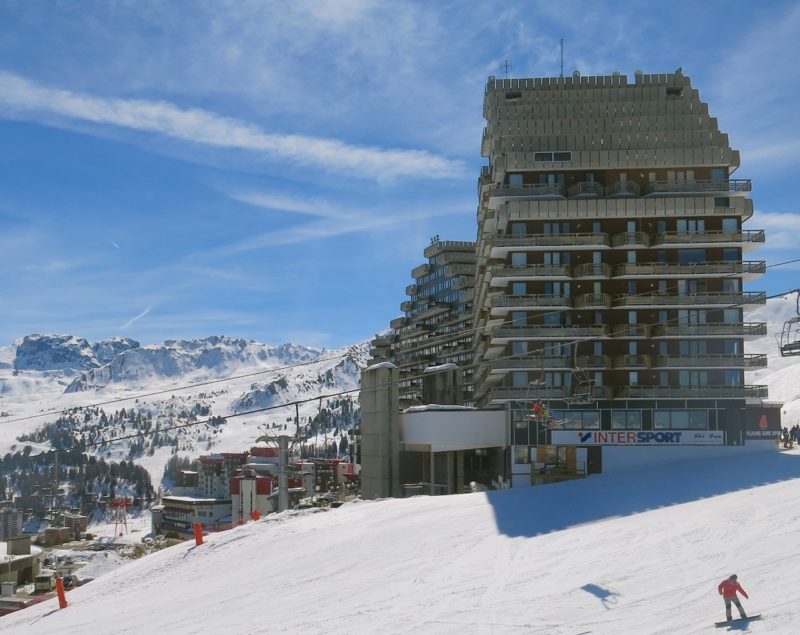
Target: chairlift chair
(789, 343)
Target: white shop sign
(637, 437)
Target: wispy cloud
(285, 203)
(333, 221)
(135, 318)
(113, 243)
(24, 98)
(781, 228)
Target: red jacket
(728, 589)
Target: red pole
(62, 599)
(198, 534)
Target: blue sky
(274, 170)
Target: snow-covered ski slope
(637, 553)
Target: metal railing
(635, 239)
(705, 187)
(709, 237)
(588, 189)
(721, 268)
(538, 300)
(550, 240)
(592, 301)
(712, 299)
(592, 270)
(531, 271)
(711, 361)
(544, 331)
(632, 361)
(718, 329)
(623, 188)
(690, 392)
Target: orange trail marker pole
(198, 534)
(62, 598)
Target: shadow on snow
(532, 511)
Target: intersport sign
(637, 437)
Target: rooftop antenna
(562, 57)
(506, 66)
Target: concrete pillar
(380, 431)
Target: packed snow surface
(628, 553)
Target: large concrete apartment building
(611, 264)
(435, 327)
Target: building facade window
(626, 420)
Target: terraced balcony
(592, 301)
(712, 300)
(736, 187)
(534, 363)
(547, 331)
(746, 240)
(502, 275)
(746, 330)
(748, 269)
(631, 240)
(690, 392)
(502, 304)
(592, 271)
(502, 245)
(633, 362)
(745, 361)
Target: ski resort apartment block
(600, 318)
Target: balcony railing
(692, 299)
(632, 361)
(531, 301)
(709, 238)
(593, 361)
(531, 271)
(551, 240)
(706, 269)
(592, 270)
(623, 188)
(630, 239)
(585, 190)
(533, 364)
(720, 329)
(704, 188)
(528, 190)
(593, 301)
(630, 331)
(618, 189)
(690, 392)
(749, 361)
(546, 331)
(526, 393)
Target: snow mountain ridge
(59, 372)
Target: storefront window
(680, 419)
(626, 420)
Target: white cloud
(282, 202)
(30, 100)
(334, 221)
(782, 229)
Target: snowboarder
(728, 589)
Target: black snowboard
(740, 620)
